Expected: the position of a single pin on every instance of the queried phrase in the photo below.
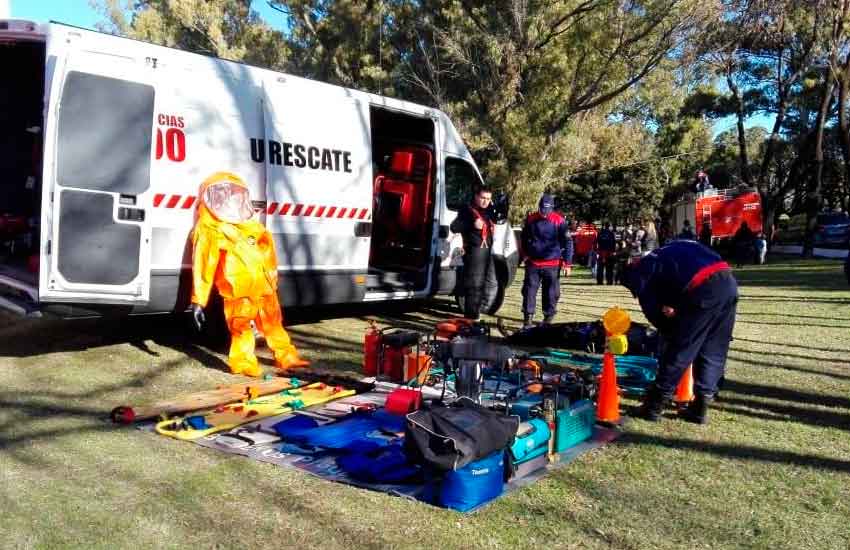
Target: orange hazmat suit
(236, 254)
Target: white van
(106, 141)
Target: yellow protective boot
(290, 360)
(254, 370)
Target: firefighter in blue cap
(545, 247)
(689, 293)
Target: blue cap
(547, 203)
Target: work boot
(697, 410)
(547, 320)
(528, 321)
(652, 406)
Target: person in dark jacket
(476, 226)
(687, 231)
(705, 234)
(545, 245)
(606, 245)
(743, 241)
(569, 251)
(689, 293)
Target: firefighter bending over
(236, 254)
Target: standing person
(689, 293)
(476, 227)
(760, 244)
(687, 231)
(606, 245)
(743, 241)
(639, 240)
(544, 243)
(701, 182)
(650, 241)
(569, 250)
(705, 234)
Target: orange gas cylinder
(371, 347)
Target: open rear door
(95, 243)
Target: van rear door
(95, 242)
(318, 159)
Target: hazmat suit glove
(198, 316)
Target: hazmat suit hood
(224, 197)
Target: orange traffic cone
(685, 389)
(608, 402)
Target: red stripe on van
(331, 211)
(157, 199)
(272, 208)
(341, 212)
(172, 202)
(320, 211)
(297, 210)
(285, 208)
(187, 204)
(362, 213)
(309, 210)
(352, 213)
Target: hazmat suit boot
(548, 320)
(290, 360)
(697, 410)
(652, 406)
(528, 321)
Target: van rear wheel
(494, 296)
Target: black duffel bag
(448, 437)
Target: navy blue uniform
(699, 286)
(606, 244)
(545, 245)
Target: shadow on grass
(800, 415)
(785, 394)
(796, 346)
(741, 452)
(786, 366)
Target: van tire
(494, 296)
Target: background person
(476, 227)
(687, 232)
(544, 244)
(650, 241)
(605, 247)
(688, 292)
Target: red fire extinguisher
(371, 348)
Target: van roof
(375, 99)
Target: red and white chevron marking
(285, 209)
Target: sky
(80, 13)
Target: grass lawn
(772, 470)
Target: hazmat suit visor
(229, 202)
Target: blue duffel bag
(469, 487)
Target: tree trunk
(844, 123)
(743, 157)
(813, 192)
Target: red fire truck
(723, 209)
